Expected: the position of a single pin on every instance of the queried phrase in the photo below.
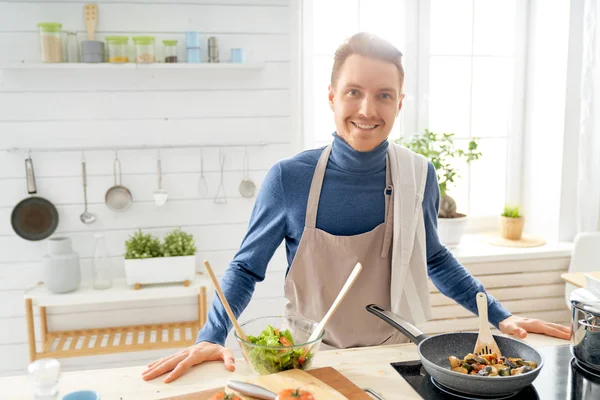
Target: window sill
(472, 249)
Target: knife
(250, 389)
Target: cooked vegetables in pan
(491, 365)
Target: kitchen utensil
(252, 390)
(118, 197)
(585, 336)
(33, 218)
(485, 341)
(319, 329)
(160, 195)
(202, 185)
(435, 350)
(247, 187)
(327, 378)
(92, 50)
(86, 217)
(90, 17)
(221, 196)
(373, 393)
(213, 278)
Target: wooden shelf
(122, 339)
(115, 66)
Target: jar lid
(50, 26)
(170, 42)
(117, 39)
(143, 39)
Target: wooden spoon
(319, 329)
(90, 17)
(236, 325)
(486, 344)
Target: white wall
(75, 108)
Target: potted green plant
(439, 148)
(511, 223)
(149, 261)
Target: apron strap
(389, 209)
(315, 189)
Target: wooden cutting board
(324, 383)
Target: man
(360, 199)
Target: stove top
(561, 378)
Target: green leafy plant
(178, 243)
(440, 149)
(142, 245)
(511, 212)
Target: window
(464, 68)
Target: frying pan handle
(31, 188)
(408, 329)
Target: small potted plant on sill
(148, 261)
(511, 223)
(441, 151)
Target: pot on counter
(585, 320)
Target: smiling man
(360, 199)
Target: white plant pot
(451, 230)
(160, 270)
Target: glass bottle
(101, 264)
(44, 374)
(72, 47)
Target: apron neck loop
(315, 189)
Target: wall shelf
(114, 66)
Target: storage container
(118, 49)
(50, 42)
(170, 51)
(144, 49)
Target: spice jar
(144, 49)
(50, 42)
(170, 51)
(117, 49)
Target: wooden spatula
(485, 341)
(236, 325)
(319, 329)
(90, 17)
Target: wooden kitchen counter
(366, 367)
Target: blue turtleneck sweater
(351, 203)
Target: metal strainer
(118, 197)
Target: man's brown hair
(368, 45)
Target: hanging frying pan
(34, 218)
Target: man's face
(365, 101)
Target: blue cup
(237, 55)
(192, 39)
(82, 395)
(192, 55)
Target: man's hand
(519, 327)
(180, 362)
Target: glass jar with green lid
(50, 42)
(144, 49)
(170, 51)
(118, 51)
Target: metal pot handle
(583, 322)
(408, 329)
(117, 165)
(31, 188)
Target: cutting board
(324, 383)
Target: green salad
(267, 361)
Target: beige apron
(322, 264)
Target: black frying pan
(34, 218)
(435, 350)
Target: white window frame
(414, 112)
